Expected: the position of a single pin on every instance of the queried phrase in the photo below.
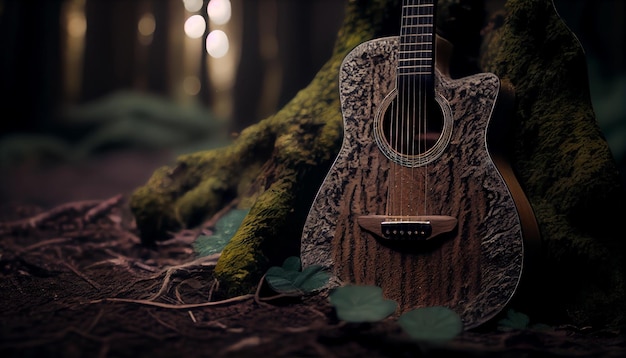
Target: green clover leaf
(514, 320)
(289, 280)
(358, 304)
(432, 324)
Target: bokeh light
(195, 26)
(191, 85)
(76, 25)
(217, 44)
(192, 5)
(146, 25)
(219, 11)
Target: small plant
(289, 280)
(225, 229)
(357, 304)
(361, 303)
(515, 320)
(433, 324)
(364, 303)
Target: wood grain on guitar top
(476, 268)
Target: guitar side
(474, 269)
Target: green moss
(559, 155)
(563, 163)
(200, 183)
(244, 259)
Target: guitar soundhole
(412, 128)
(413, 131)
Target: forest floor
(75, 281)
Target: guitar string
(401, 113)
(425, 40)
(409, 98)
(406, 98)
(426, 45)
(409, 128)
(419, 125)
(390, 173)
(426, 93)
(394, 119)
(419, 110)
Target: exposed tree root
(201, 262)
(94, 208)
(177, 306)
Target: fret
(414, 38)
(422, 52)
(416, 47)
(427, 5)
(416, 65)
(419, 26)
(415, 71)
(429, 8)
(420, 19)
(419, 49)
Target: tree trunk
(558, 153)
(30, 65)
(110, 43)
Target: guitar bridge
(406, 230)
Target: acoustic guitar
(414, 202)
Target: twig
(257, 293)
(317, 312)
(143, 266)
(45, 243)
(245, 343)
(261, 300)
(36, 220)
(163, 323)
(323, 352)
(81, 275)
(171, 270)
(95, 321)
(193, 318)
(179, 297)
(102, 207)
(57, 336)
(121, 260)
(175, 306)
(214, 287)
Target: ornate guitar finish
(414, 202)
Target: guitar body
(474, 267)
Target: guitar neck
(417, 43)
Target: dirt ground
(75, 281)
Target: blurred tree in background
(280, 45)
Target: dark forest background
(32, 39)
(35, 95)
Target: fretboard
(417, 39)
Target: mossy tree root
(273, 167)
